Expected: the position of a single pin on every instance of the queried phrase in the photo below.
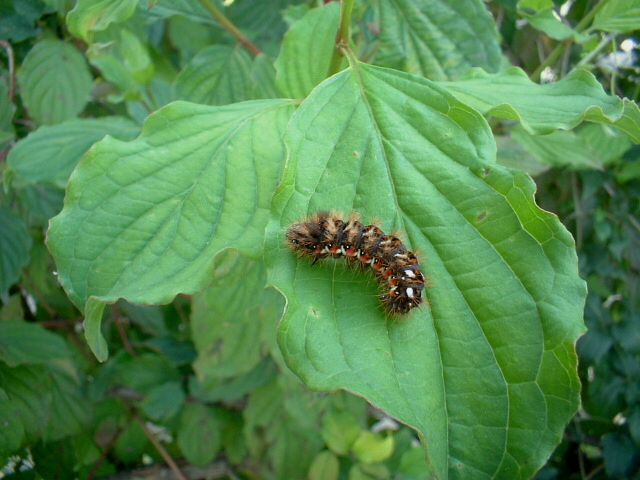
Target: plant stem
(342, 37)
(230, 27)
(12, 74)
(553, 57)
(593, 53)
(163, 452)
(562, 46)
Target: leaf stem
(12, 73)
(553, 57)
(557, 52)
(342, 37)
(163, 452)
(230, 27)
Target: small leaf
(50, 153)
(28, 343)
(131, 443)
(164, 401)
(325, 466)
(121, 53)
(55, 81)
(339, 430)
(437, 39)
(90, 16)
(372, 447)
(135, 57)
(546, 21)
(620, 16)
(217, 75)
(544, 108)
(15, 243)
(306, 51)
(199, 434)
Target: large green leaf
(306, 51)
(486, 373)
(55, 81)
(438, 39)
(143, 220)
(545, 108)
(49, 154)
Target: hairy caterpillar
(396, 268)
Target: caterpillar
(326, 235)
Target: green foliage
(603, 214)
(186, 135)
(66, 91)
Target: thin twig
(106, 450)
(163, 452)
(562, 46)
(230, 27)
(577, 206)
(123, 335)
(12, 72)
